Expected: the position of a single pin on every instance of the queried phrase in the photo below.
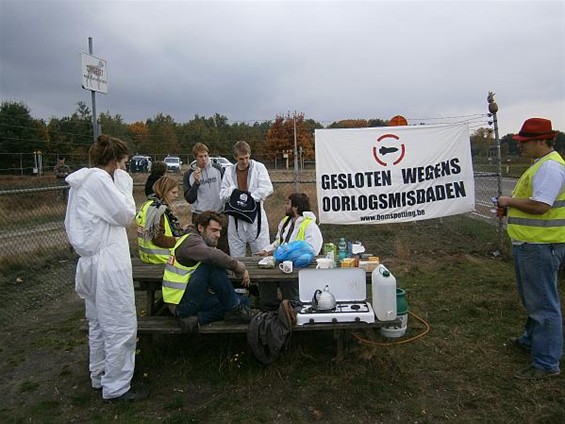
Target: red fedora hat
(535, 129)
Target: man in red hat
(536, 226)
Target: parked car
(140, 163)
(173, 163)
(220, 160)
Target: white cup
(286, 267)
(324, 263)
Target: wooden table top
(149, 273)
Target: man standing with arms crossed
(536, 226)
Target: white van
(173, 163)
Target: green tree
(481, 141)
(18, 134)
(113, 126)
(162, 137)
(71, 134)
(377, 122)
(18, 131)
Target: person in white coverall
(100, 208)
(250, 176)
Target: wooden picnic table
(148, 277)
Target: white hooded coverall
(260, 186)
(98, 212)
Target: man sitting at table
(196, 286)
(299, 223)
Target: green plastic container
(401, 314)
(401, 302)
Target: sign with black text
(94, 73)
(393, 174)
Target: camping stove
(343, 312)
(348, 285)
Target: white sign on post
(393, 174)
(94, 73)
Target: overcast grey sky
(252, 60)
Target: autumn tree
(280, 137)
(138, 133)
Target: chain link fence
(37, 263)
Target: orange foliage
(280, 137)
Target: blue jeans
(209, 295)
(537, 268)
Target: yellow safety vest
(149, 252)
(176, 277)
(546, 228)
(301, 235)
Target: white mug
(286, 267)
(324, 263)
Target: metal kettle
(323, 300)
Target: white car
(220, 160)
(173, 163)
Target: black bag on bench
(269, 332)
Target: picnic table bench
(148, 277)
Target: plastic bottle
(384, 293)
(342, 249)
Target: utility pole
(296, 185)
(493, 109)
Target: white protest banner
(94, 73)
(393, 174)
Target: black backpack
(269, 332)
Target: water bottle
(342, 249)
(384, 293)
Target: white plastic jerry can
(384, 293)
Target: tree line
(161, 135)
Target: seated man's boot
(239, 315)
(188, 324)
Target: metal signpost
(95, 79)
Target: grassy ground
(461, 371)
